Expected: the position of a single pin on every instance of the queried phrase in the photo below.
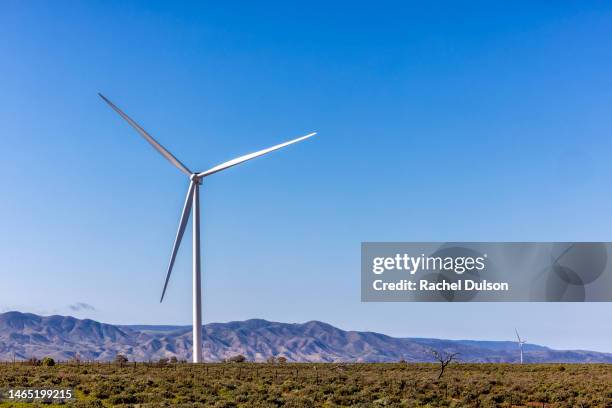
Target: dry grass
(330, 385)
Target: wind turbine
(520, 344)
(192, 205)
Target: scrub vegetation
(243, 384)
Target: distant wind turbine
(520, 343)
(192, 205)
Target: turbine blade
(250, 156)
(179, 234)
(517, 335)
(161, 149)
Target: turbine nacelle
(195, 178)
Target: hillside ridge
(26, 335)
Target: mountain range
(26, 335)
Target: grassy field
(330, 385)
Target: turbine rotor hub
(194, 177)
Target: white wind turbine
(520, 344)
(192, 204)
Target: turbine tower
(520, 344)
(192, 205)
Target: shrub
(237, 359)
(48, 362)
(33, 361)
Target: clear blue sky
(437, 122)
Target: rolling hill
(25, 335)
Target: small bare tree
(444, 359)
(121, 359)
